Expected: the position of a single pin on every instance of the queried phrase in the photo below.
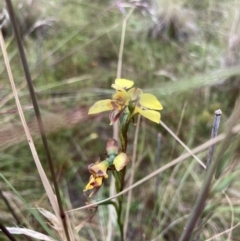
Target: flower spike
(128, 101)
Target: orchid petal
(150, 101)
(122, 98)
(120, 161)
(116, 87)
(99, 169)
(135, 93)
(149, 114)
(100, 106)
(93, 183)
(122, 84)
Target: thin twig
(7, 233)
(215, 127)
(204, 146)
(119, 66)
(214, 132)
(179, 127)
(232, 214)
(201, 199)
(12, 212)
(10, 208)
(158, 156)
(37, 113)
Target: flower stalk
(126, 104)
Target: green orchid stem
(119, 209)
(110, 203)
(124, 129)
(120, 224)
(120, 221)
(117, 180)
(123, 138)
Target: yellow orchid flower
(99, 172)
(119, 102)
(93, 185)
(120, 99)
(145, 104)
(99, 169)
(115, 161)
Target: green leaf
(224, 183)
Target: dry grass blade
(197, 81)
(232, 214)
(45, 181)
(224, 232)
(42, 174)
(84, 222)
(30, 233)
(185, 146)
(119, 69)
(56, 223)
